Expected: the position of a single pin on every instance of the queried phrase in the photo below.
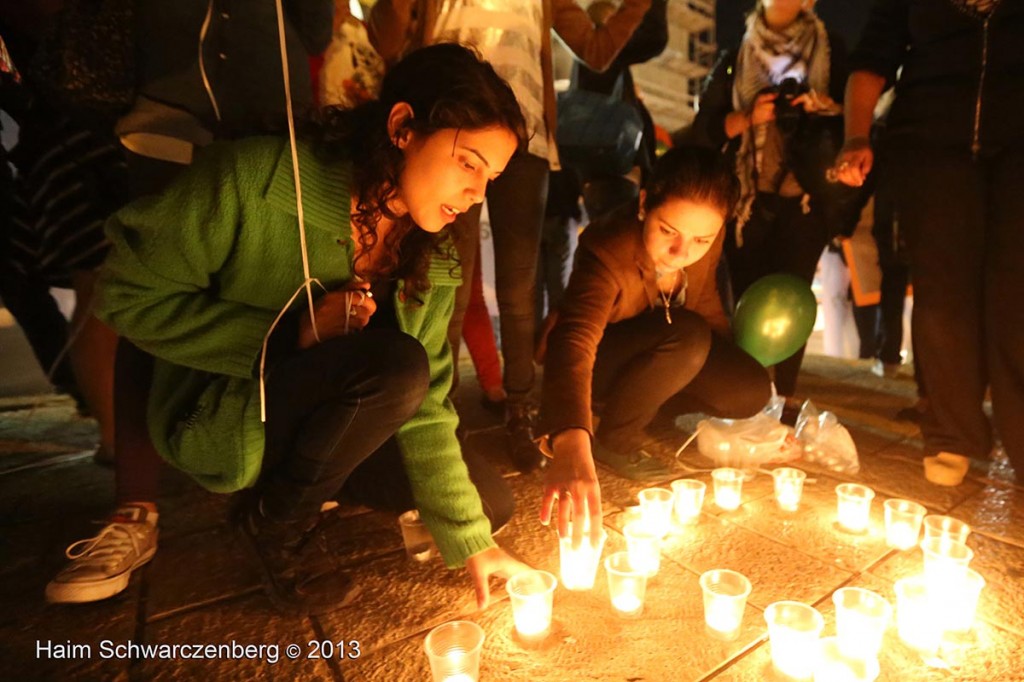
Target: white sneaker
(102, 565)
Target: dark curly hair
(447, 86)
(692, 173)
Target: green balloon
(775, 317)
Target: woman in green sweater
(351, 383)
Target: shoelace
(109, 547)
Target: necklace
(666, 296)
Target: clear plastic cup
(532, 595)
(963, 605)
(903, 523)
(656, 509)
(862, 617)
(945, 564)
(793, 631)
(579, 566)
(834, 666)
(453, 650)
(725, 599)
(689, 498)
(789, 487)
(644, 547)
(854, 506)
(946, 528)
(419, 543)
(728, 487)
(627, 585)
(918, 618)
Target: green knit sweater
(196, 277)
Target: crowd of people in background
(271, 221)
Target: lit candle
(854, 506)
(453, 650)
(627, 584)
(918, 618)
(963, 603)
(462, 677)
(531, 594)
(903, 523)
(789, 487)
(689, 498)
(725, 599)
(861, 619)
(656, 510)
(793, 632)
(579, 565)
(644, 546)
(728, 487)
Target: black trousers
(332, 412)
(779, 237)
(964, 222)
(644, 365)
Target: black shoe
(300, 575)
(522, 449)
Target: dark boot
(522, 449)
(300, 575)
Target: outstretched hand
(572, 484)
(854, 162)
(491, 561)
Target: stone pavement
(201, 589)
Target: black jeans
(783, 239)
(332, 412)
(515, 204)
(644, 365)
(964, 222)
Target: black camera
(789, 116)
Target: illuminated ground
(200, 588)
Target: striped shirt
(507, 33)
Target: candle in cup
(728, 487)
(453, 650)
(725, 599)
(689, 498)
(854, 506)
(945, 564)
(579, 565)
(945, 527)
(627, 585)
(964, 603)
(918, 618)
(656, 510)
(861, 619)
(903, 523)
(793, 632)
(531, 594)
(832, 665)
(644, 547)
(789, 487)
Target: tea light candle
(728, 487)
(579, 565)
(854, 506)
(462, 677)
(789, 487)
(644, 548)
(963, 603)
(918, 618)
(833, 666)
(793, 631)
(861, 619)
(945, 565)
(453, 650)
(946, 528)
(903, 523)
(725, 599)
(689, 498)
(627, 585)
(656, 510)
(531, 594)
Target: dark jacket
(236, 44)
(613, 280)
(962, 83)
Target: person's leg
(92, 358)
(641, 363)
(516, 203)
(730, 385)
(381, 482)
(479, 336)
(835, 302)
(1004, 302)
(867, 319)
(941, 206)
(137, 463)
(798, 241)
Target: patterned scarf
(766, 58)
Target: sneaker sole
(85, 592)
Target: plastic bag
(745, 443)
(825, 441)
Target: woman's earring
(640, 214)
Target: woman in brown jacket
(642, 324)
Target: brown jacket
(612, 280)
(398, 26)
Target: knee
(689, 340)
(749, 396)
(403, 370)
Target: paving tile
(51, 422)
(227, 571)
(1002, 566)
(241, 622)
(995, 510)
(79, 490)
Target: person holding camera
(773, 105)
